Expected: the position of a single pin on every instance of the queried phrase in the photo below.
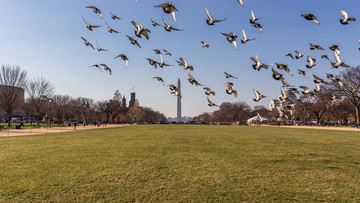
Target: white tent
(256, 119)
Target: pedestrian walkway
(343, 128)
(36, 131)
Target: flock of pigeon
(169, 8)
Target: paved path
(320, 127)
(36, 131)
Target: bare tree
(28, 110)
(105, 107)
(316, 105)
(12, 81)
(350, 79)
(39, 90)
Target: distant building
(20, 96)
(132, 99)
(275, 103)
(183, 118)
(124, 102)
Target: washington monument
(179, 102)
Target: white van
(15, 120)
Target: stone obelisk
(179, 102)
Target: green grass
(174, 163)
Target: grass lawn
(182, 163)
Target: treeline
(60, 108)
(42, 104)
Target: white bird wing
(244, 35)
(190, 76)
(345, 14)
(173, 15)
(234, 43)
(126, 62)
(258, 115)
(235, 93)
(208, 14)
(241, 2)
(337, 57)
(85, 21)
(283, 94)
(166, 23)
(252, 15)
(161, 58)
(317, 87)
(256, 94)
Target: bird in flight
(227, 75)
(113, 16)
(87, 43)
(110, 30)
(140, 30)
(208, 91)
(306, 90)
(258, 95)
(90, 27)
(160, 80)
(276, 75)
(302, 72)
(211, 20)
(334, 79)
(184, 63)
(319, 80)
(168, 27)
(346, 19)
(100, 49)
(335, 48)
(210, 103)
(313, 47)
(310, 16)
(133, 41)
(231, 38)
(106, 68)
(123, 57)
(166, 52)
(258, 64)
(290, 55)
(96, 66)
(284, 67)
(193, 81)
(204, 45)
(311, 62)
(230, 89)
(152, 62)
(154, 23)
(245, 39)
(96, 10)
(298, 54)
(168, 8)
(253, 18)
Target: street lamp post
(50, 101)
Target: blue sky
(43, 37)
